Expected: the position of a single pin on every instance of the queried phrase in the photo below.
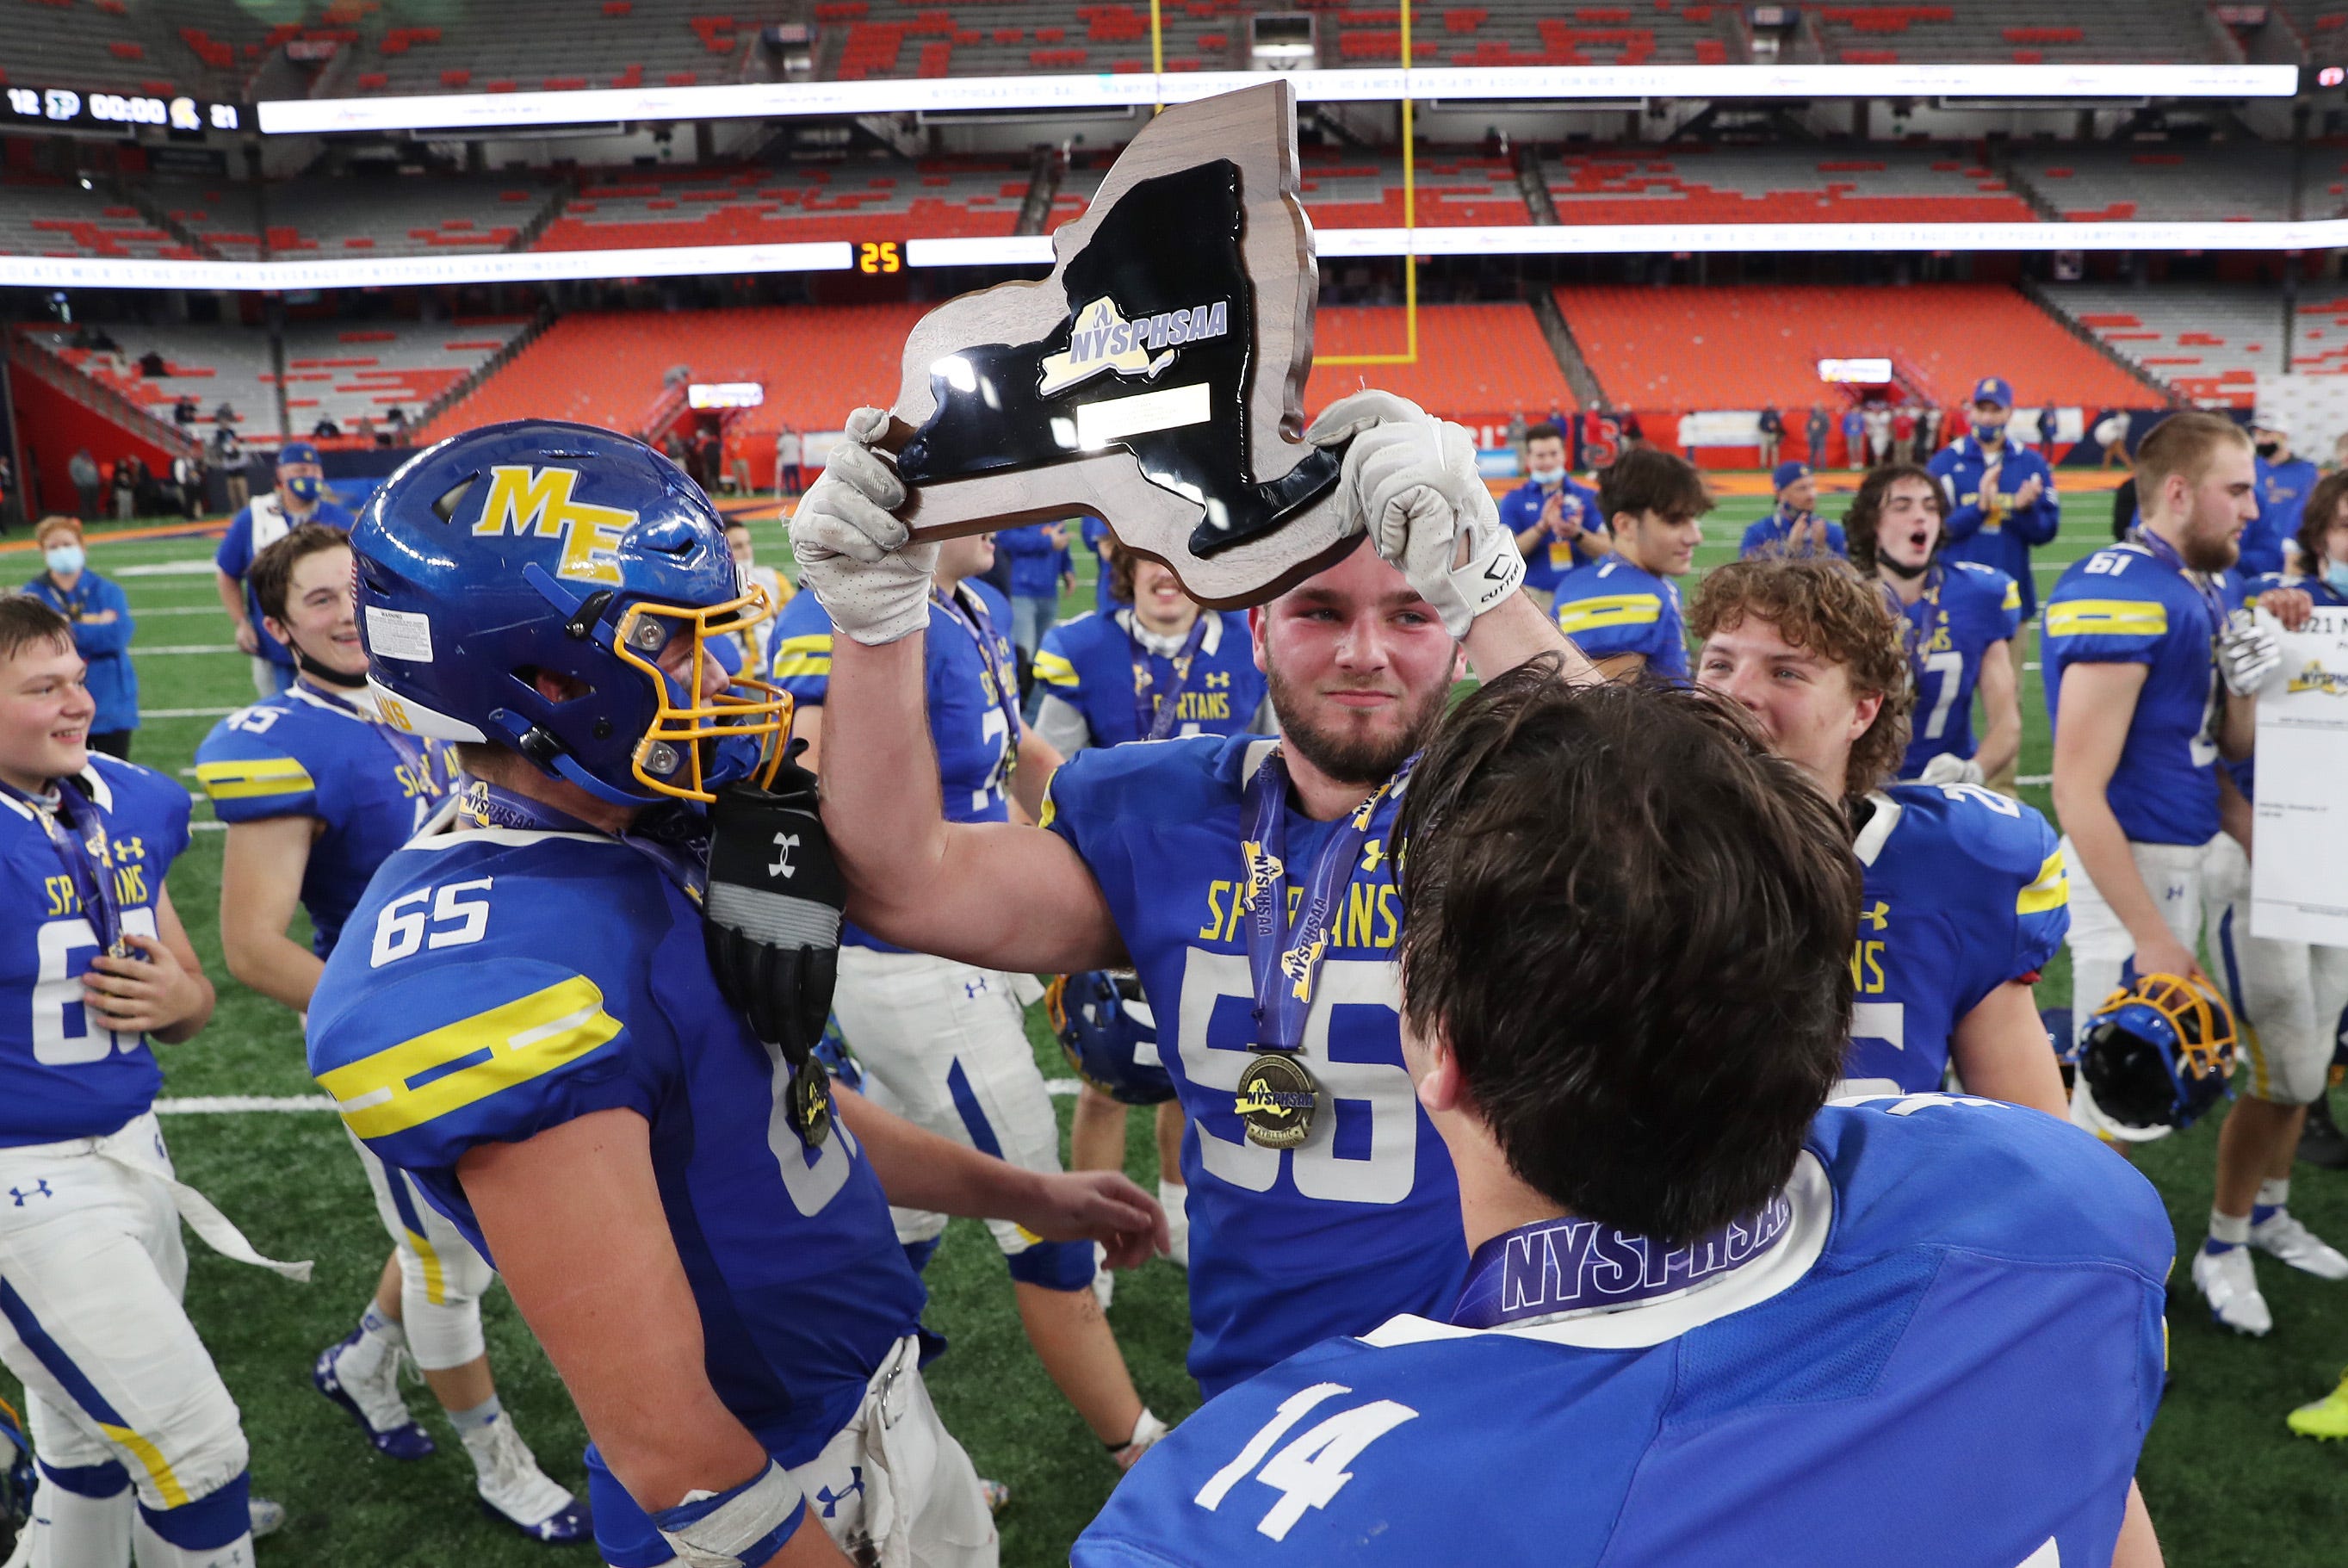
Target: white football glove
(1410, 482)
(1950, 768)
(857, 558)
(2247, 652)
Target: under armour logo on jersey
(1372, 853)
(1219, 678)
(1876, 917)
(975, 988)
(782, 867)
(832, 1500)
(40, 1190)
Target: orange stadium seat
(1477, 364)
(1740, 347)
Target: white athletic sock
(2274, 1194)
(150, 1550)
(380, 1338)
(1174, 1198)
(68, 1530)
(2229, 1230)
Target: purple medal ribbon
(1556, 1266)
(2203, 584)
(78, 830)
(679, 857)
(1006, 687)
(1918, 639)
(410, 750)
(1284, 961)
(1154, 716)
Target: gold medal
(808, 1104)
(1276, 1100)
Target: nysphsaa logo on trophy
(1155, 380)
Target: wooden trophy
(1156, 379)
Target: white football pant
(2287, 996)
(441, 1276)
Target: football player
(1623, 609)
(1166, 666)
(945, 1043)
(317, 791)
(1965, 894)
(1321, 1201)
(126, 1406)
(2149, 681)
(2287, 996)
(1710, 1318)
(526, 1019)
(1557, 523)
(300, 496)
(1794, 527)
(1960, 616)
(778, 588)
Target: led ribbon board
(1156, 379)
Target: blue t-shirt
(1950, 1360)
(1287, 1246)
(104, 646)
(61, 1076)
(972, 699)
(1609, 606)
(1097, 667)
(1096, 530)
(306, 753)
(2123, 605)
(499, 983)
(1983, 525)
(1552, 558)
(2282, 490)
(1966, 890)
(1772, 533)
(1965, 608)
(1036, 562)
(254, 529)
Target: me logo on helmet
(524, 501)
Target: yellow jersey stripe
(2012, 595)
(2108, 617)
(407, 1085)
(242, 781)
(167, 1484)
(2051, 891)
(1611, 610)
(1055, 669)
(799, 666)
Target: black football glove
(772, 911)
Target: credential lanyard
(1557, 1267)
(1284, 961)
(410, 749)
(1919, 639)
(78, 830)
(1155, 716)
(2165, 553)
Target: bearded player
(1321, 1199)
(317, 791)
(1960, 617)
(2150, 680)
(1965, 893)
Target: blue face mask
(65, 560)
(305, 488)
(2335, 573)
(1546, 476)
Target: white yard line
(185, 712)
(175, 648)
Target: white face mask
(1546, 476)
(65, 560)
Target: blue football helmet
(526, 584)
(1111, 1038)
(2155, 1056)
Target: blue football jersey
(1772, 533)
(1609, 606)
(1088, 663)
(303, 753)
(499, 982)
(62, 1075)
(1549, 558)
(1288, 1246)
(973, 695)
(2123, 605)
(1965, 607)
(1966, 890)
(1950, 1360)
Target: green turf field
(2226, 1482)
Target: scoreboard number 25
(876, 256)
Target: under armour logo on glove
(775, 954)
(832, 1500)
(40, 1190)
(782, 867)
